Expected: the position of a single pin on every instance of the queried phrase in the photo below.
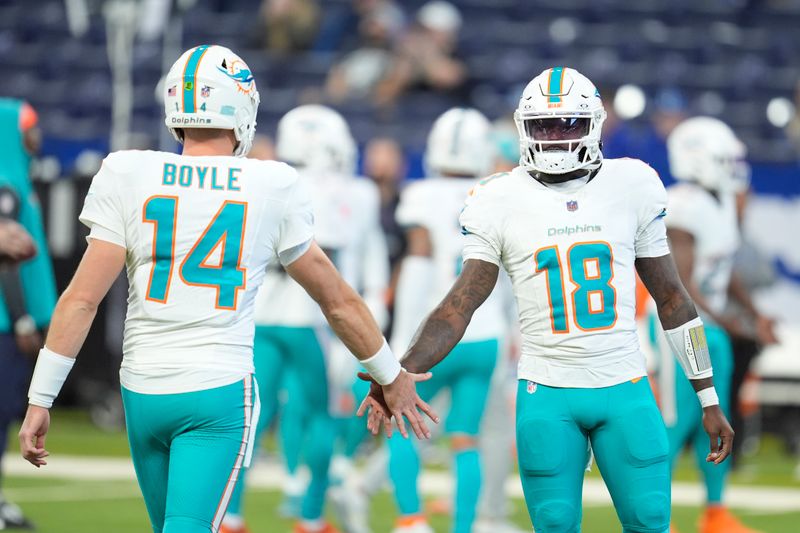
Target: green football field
(64, 505)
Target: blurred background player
(459, 152)
(702, 224)
(190, 400)
(581, 368)
(292, 346)
(28, 289)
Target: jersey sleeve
(414, 207)
(685, 212)
(103, 209)
(297, 226)
(651, 235)
(482, 238)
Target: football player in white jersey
(459, 152)
(709, 161)
(572, 230)
(195, 232)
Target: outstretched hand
(720, 433)
(397, 400)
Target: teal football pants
(188, 450)
(624, 427)
(688, 426)
(467, 372)
(293, 357)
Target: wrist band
(383, 366)
(49, 375)
(708, 397)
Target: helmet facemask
(560, 142)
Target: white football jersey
(363, 262)
(713, 224)
(435, 204)
(199, 232)
(570, 256)
(332, 222)
(364, 259)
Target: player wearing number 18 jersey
(570, 230)
(195, 232)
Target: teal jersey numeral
(161, 211)
(225, 233)
(226, 230)
(547, 260)
(591, 270)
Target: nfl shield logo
(572, 205)
(531, 387)
(205, 91)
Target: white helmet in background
(211, 87)
(559, 119)
(706, 151)
(460, 143)
(318, 138)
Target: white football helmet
(211, 87)
(559, 119)
(318, 138)
(706, 151)
(460, 144)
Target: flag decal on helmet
(189, 74)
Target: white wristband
(383, 366)
(49, 376)
(708, 397)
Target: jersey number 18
(591, 269)
(225, 230)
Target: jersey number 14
(225, 230)
(590, 266)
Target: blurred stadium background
(90, 69)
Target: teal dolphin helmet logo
(239, 72)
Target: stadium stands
(738, 52)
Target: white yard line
(267, 475)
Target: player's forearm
(11, 286)
(72, 318)
(700, 302)
(351, 320)
(739, 292)
(675, 308)
(437, 336)
(446, 325)
(701, 384)
(661, 278)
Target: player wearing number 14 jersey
(571, 230)
(196, 232)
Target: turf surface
(70, 506)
